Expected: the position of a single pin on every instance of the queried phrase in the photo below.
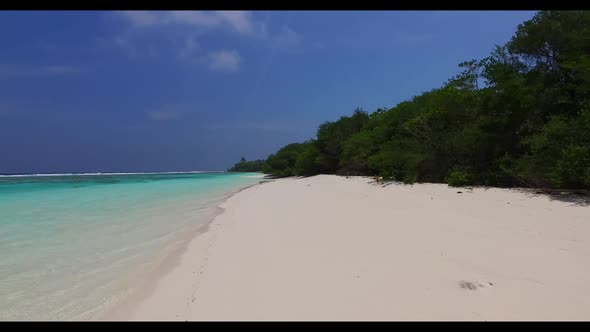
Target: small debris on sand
(470, 285)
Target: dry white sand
(335, 248)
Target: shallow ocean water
(71, 246)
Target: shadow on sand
(575, 197)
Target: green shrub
(458, 178)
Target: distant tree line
(519, 117)
(247, 166)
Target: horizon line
(103, 173)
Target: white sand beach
(337, 248)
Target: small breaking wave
(101, 173)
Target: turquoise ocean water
(73, 246)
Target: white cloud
(177, 34)
(240, 21)
(228, 61)
(189, 17)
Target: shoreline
(335, 248)
(167, 264)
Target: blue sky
(161, 91)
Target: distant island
(517, 118)
(247, 166)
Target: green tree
(247, 166)
(331, 137)
(519, 117)
(282, 164)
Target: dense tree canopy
(519, 117)
(247, 166)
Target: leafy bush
(459, 178)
